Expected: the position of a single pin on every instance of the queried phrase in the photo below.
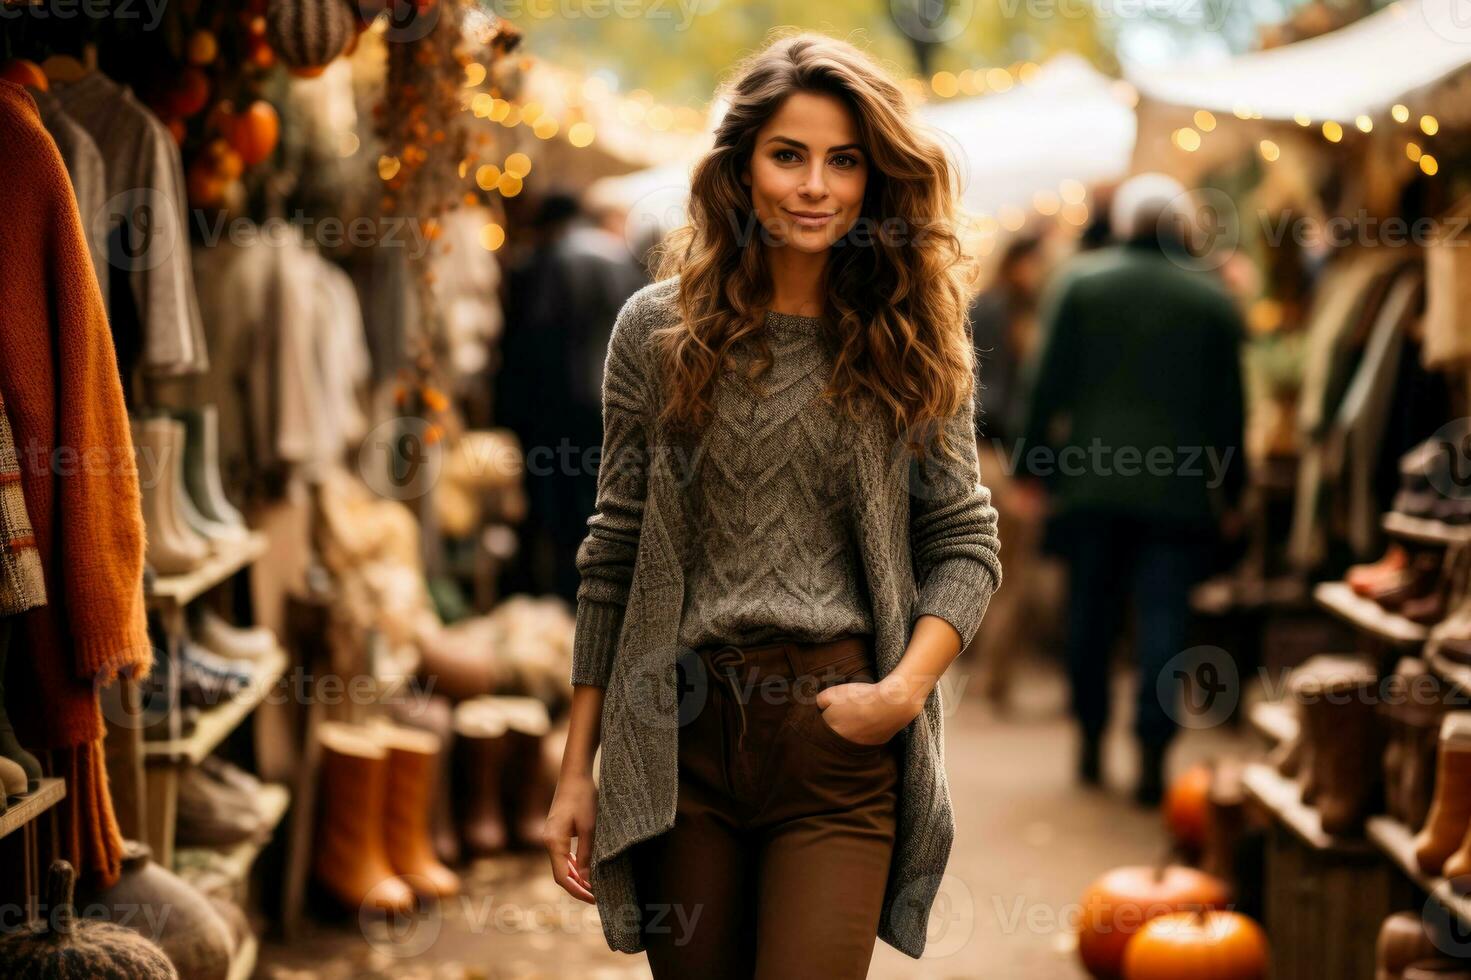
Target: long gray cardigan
(927, 537)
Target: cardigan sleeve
(99, 509)
(952, 527)
(606, 556)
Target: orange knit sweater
(59, 379)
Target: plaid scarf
(21, 584)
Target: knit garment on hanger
(59, 380)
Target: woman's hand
(573, 811)
(864, 713)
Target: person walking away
(1135, 400)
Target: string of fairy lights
(1415, 129)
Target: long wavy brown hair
(896, 304)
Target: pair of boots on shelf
(215, 663)
(1443, 846)
(1335, 754)
(188, 516)
(1410, 583)
(1430, 485)
(218, 805)
(506, 783)
(374, 801)
(1414, 709)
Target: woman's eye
(852, 161)
(781, 153)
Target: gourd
(1201, 945)
(309, 33)
(1117, 906)
(62, 947)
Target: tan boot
(529, 784)
(1349, 776)
(1450, 809)
(413, 767)
(172, 548)
(481, 739)
(351, 861)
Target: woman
(791, 544)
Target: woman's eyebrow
(803, 146)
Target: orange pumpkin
(190, 95)
(1203, 945)
(203, 48)
(1187, 807)
(23, 72)
(1117, 906)
(254, 132)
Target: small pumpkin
(1187, 806)
(254, 132)
(189, 95)
(26, 73)
(1118, 905)
(309, 33)
(1201, 945)
(63, 946)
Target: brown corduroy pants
(777, 862)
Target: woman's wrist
(904, 695)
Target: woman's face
(807, 172)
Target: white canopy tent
(1395, 55)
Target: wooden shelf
(1275, 721)
(242, 965)
(1283, 798)
(1368, 615)
(1395, 840)
(219, 721)
(32, 805)
(180, 590)
(1423, 530)
(239, 858)
(1456, 675)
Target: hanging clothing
(59, 381)
(1448, 293)
(88, 175)
(156, 316)
(22, 586)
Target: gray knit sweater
(922, 539)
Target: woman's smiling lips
(811, 219)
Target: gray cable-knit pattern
(777, 517)
(773, 555)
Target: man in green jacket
(1133, 423)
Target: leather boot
(481, 736)
(413, 767)
(436, 714)
(10, 747)
(1363, 579)
(350, 860)
(1403, 940)
(1349, 781)
(1450, 809)
(1416, 581)
(202, 465)
(171, 549)
(529, 785)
